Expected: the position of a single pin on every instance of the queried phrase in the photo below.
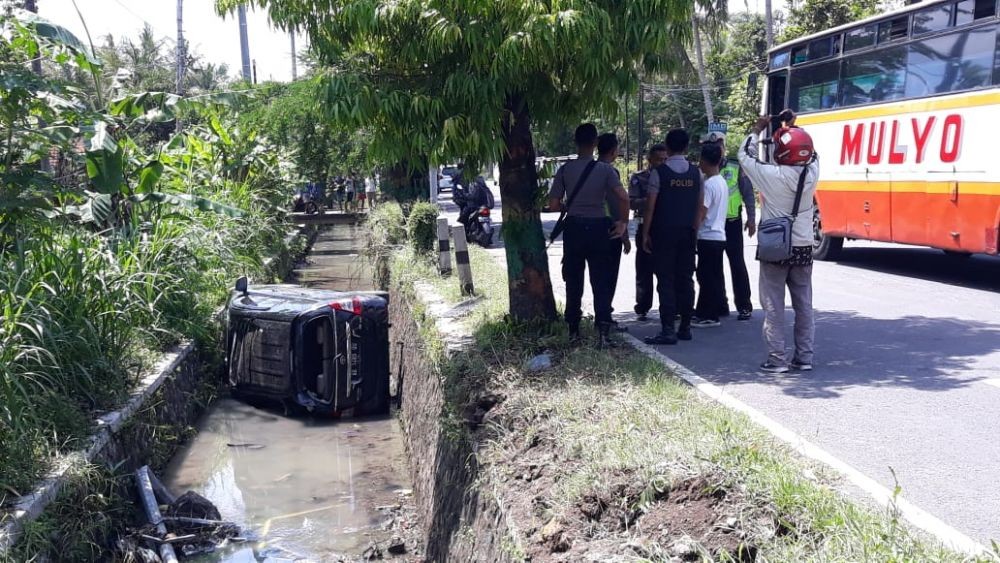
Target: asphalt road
(907, 371)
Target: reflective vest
(731, 172)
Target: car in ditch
(313, 350)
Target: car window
(450, 171)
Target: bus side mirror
(242, 285)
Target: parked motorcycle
(305, 201)
(479, 227)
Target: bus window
(954, 62)
(968, 11)
(815, 87)
(779, 60)
(821, 48)
(874, 77)
(776, 93)
(799, 55)
(860, 38)
(893, 30)
(931, 19)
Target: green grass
(608, 414)
(83, 315)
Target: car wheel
(825, 247)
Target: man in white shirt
(711, 239)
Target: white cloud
(214, 38)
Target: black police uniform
(637, 192)
(674, 239)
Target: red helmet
(792, 146)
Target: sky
(215, 39)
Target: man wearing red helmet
(778, 183)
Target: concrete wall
(462, 522)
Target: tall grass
(82, 313)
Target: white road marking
(993, 382)
(883, 496)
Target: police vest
(731, 173)
(677, 201)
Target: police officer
(740, 196)
(586, 185)
(670, 225)
(638, 185)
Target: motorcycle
(479, 227)
(305, 201)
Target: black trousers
(586, 246)
(673, 263)
(711, 279)
(643, 277)
(616, 248)
(737, 267)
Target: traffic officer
(741, 196)
(637, 187)
(587, 184)
(670, 225)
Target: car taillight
(350, 305)
(485, 212)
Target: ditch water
(302, 488)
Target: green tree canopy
(446, 80)
(806, 17)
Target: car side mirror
(242, 285)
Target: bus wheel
(824, 247)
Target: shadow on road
(851, 351)
(975, 272)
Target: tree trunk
(530, 288)
(768, 24)
(709, 112)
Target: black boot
(574, 333)
(603, 336)
(667, 336)
(684, 330)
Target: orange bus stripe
(967, 100)
(940, 187)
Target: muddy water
(303, 489)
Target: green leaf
(149, 176)
(189, 201)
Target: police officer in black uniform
(670, 228)
(587, 240)
(637, 187)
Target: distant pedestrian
(741, 197)
(638, 186)
(670, 225)
(352, 187)
(586, 185)
(341, 190)
(370, 192)
(607, 151)
(789, 181)
(711, 239)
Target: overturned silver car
(321, 351)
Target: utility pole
(768, 24)
(36, 63)
(640, 119)
(709, 112)
(244, 42)
(295, 68)
(180, 48)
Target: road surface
(907, 370)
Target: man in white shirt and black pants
(711, 239)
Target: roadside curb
(916, 516)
